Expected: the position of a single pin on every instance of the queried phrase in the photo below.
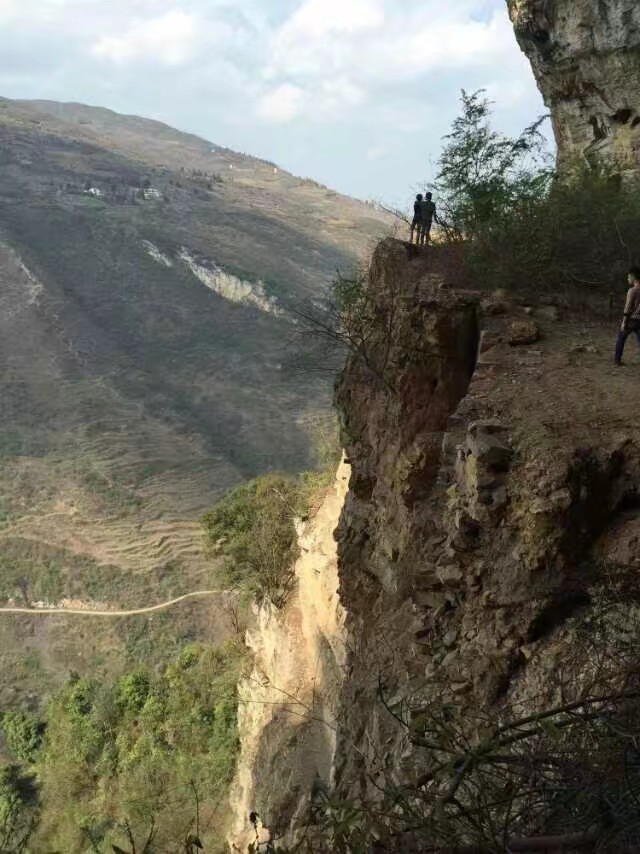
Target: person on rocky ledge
(416, 223)
(631, 319)
(424, 213)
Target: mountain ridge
(141, 370)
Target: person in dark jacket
(416, 225)
(631, 318)
(428, 216)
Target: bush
(496, 781)
(253, 529)
(143, 756)
(18, 802)
(578, 238)
(524, 229)
(133, 690)
(23, 732)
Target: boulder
(495, 304)
(486, 440)
(522, 332)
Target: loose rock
(522, 332)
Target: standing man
(416, 225)
(428, 215)
(631, 319)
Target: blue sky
(354, 93)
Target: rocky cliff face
(476, 546)
(289, 701)
(585, 55)
(489, 536)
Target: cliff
(489, 535)
(585, 55)
(289, 701)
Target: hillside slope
(142, 353)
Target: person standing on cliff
(428, 215)
(631, 319)
(416, 225)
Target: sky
(356, 94)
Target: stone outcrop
(289, 701)
(489, 501)
(492, 521)
(585, 56)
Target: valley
(148, 287)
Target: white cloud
(169, 39)
(342, 53)
(282, 104)
(8, 9)
(453, 41)
(391, 45)
(325, 101)
(315, 19)
(345, 78)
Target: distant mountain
(147, 279)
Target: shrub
(253, 529)
(133, 690)
(524, 229)
(23, 732)
(18, 816)
(577, 238)
(141, 756)
(482, 173)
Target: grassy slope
(133, 396)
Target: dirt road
(90, 612)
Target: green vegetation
(115, 499)
(11, 444)
(523, 228)
(253, 529)
(18, 809)
(483, 174)
(23, 732)
(149, 756)
(35, 572)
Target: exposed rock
(585, 55)
(522, 332)
(495, 304)
(486, 441)
(485, 519)
(584, 348)
(299, 655)
(488, 340)
(488, 519)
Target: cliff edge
(489, 540)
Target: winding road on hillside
(90, 612)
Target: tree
(482, 173)
(253, 529)
(23, 732)
(133, 690)
(18, 809)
